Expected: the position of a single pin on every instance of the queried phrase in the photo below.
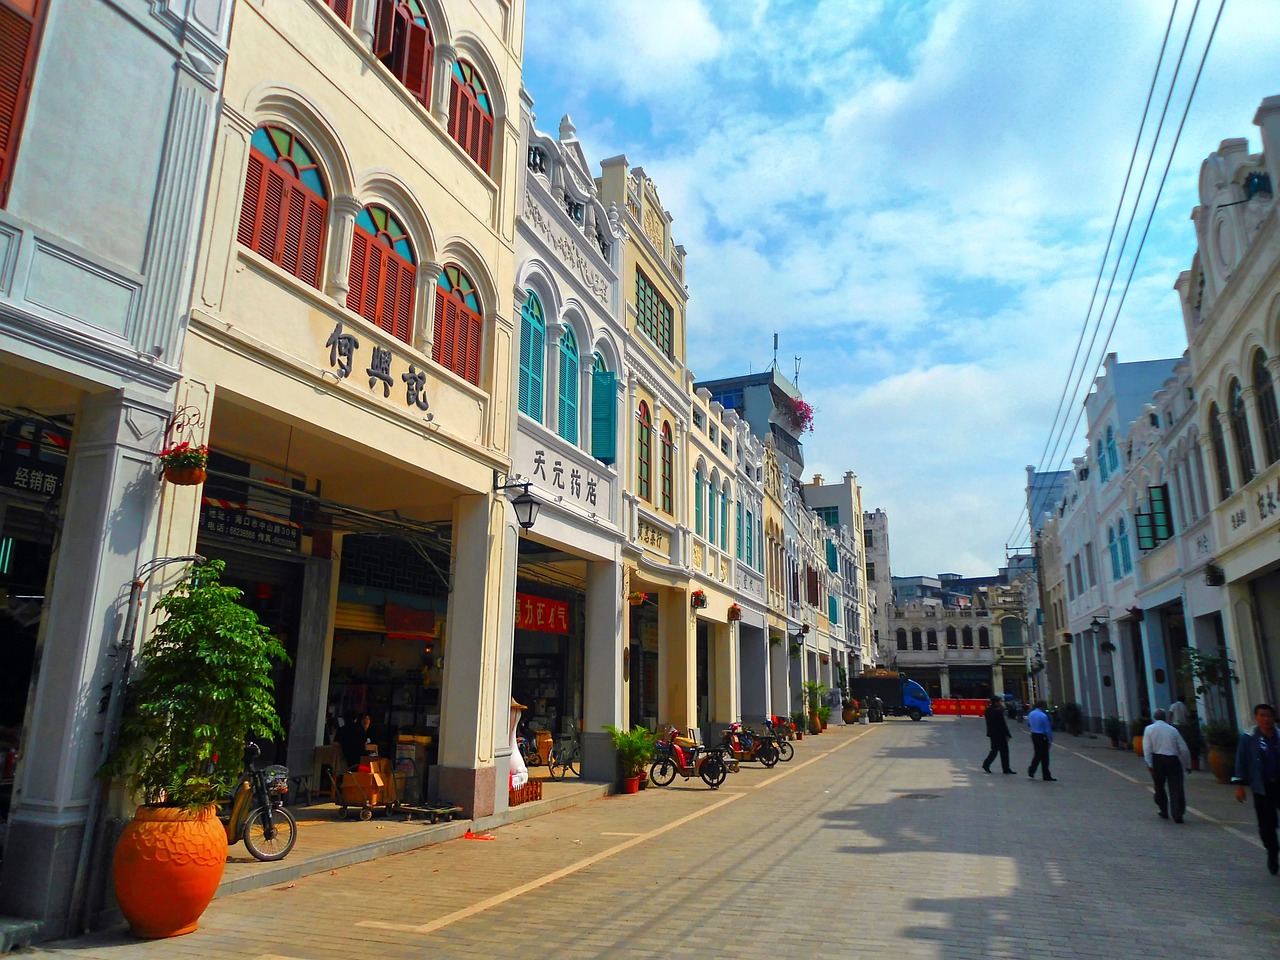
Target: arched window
(458, 322)
(984, 638)
(697, 501)
(1102, 463)
(1126, 558)
(285, 206)
(604, 412)
(383, 272)
(711, 508)
(931, 639)
(1219, 445)
(471, 114)
(1240, 434)
(724, 520)
(902, 639)
(402, 41)
(533, 348)
(1113, 458)
(951, 638)
(966, 637)
(1115, 553)
(567, 410)
(1264, 389)
(644, 452)
(668, 466)
(915, 639)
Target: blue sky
(916, 196)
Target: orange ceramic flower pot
(167, 868)
(185, 476)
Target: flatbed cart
(368, 789)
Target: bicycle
(566, 756)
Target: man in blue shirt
(1258, 765)
(1041, 738)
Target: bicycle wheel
(278, 846)
(555, 766)
(768, 755)
(573, 762)
(662, 772)
(713, 770)
(785, 750)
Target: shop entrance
(644, 663)
(704, 675)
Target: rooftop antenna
(796, 380)
(774, 365)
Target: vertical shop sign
(539, 613)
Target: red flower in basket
(735, 612)
(184, 463)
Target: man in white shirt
(1167, 756)
(1178, 712)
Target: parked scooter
(688, 760)
(257, 814)
(747, 746)
(781, 739)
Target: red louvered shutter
(473, 349)
(252, 203)
(437, 327)
(486, 141)
(387, 299)
(404, 303)
(295, 206)
(457, 112)
(449, 348)
(342, 8)
(269, 220)
(18, 42)
(371, 308)
(384, 22)
(359, 265)
(312, 245)
(417, 72)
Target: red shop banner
(539, 613)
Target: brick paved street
(828, 856)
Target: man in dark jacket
(1258, 765)
(998, 734)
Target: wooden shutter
(384, 22)
(604, 416)
(485, 145)
(526, 367)
(252, 203)
(359, 264)
(404, 301)
(295, 205)
(342, 8)
(473, 349)
(18, 43)
(437, 326)
(457, 109)
(417, 72)
(267, 229)
(311, 251)
(373, 285)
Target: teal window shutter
(697, 501)
(751, 552)
(724, 520)
(604, 413)
(833, 610)
(833, 558)
(739, 530)
(533, 334)
(567, 413)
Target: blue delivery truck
(902, 696)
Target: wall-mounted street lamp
(1095, 626)
(526, 505)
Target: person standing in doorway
(1258, 765)
(1177, 712)
(1041, 739)
(998, 734)
(1167, 756)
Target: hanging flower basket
(735, 612)
(184, 464)
(697, 600)
(636, 599)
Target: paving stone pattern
(883, 841)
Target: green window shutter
(724, 521)
(604, 416)
(833, 558)
(739, 530)
(1146, 535)
(1162, 523)
(697, 502)
(751, 553)
(833, 610)
(533, 339)
(567, 420)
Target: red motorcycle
(677, 755)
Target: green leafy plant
(1113, 727)
(800, 720)
(814, 693)
(1211, 674)
(794, 650)
(184, 455)
(824, 714)
(635, 748)
(204, 687)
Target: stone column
(442, 80)
(427, 289)
(944, 679)
(1151, 636)
(755, 674)
(602, 673)
(677, 661)
(108, 530)
(479, 632)
(337, 279)
(724, 657)
(551, 382)
(1257, 439)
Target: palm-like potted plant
(1222, 739)
(1213, 676)
(204, 687)
(1136, 729)
(635, 749)
(1113, 727)
(814, 693)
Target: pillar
(779, 674)
(602, 675)
(479, 633)
(725, 708)
(108, 530)
(944, 680)
(677, 661)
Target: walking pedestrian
(998, 734)
(1167, 756)
(1258, 765)
(1041, 739)
(1178, 712)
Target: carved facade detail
(567, 249)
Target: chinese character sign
(539, 613)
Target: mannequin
(519, 772)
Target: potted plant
(698, 600)
(1136, 729)
(824, 716)
(204, 687)
(635, 749)
(814, 693)
(1195, 742)
(1113, 727)
(735, 612)
(1222, 739)
(184, 464)
(1072, 718)
(636, 598)
(799, 722)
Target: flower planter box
(530, 791)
